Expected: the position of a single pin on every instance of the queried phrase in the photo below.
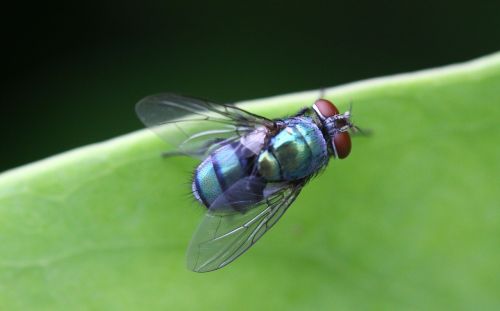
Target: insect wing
(197, 127)
(223, 236)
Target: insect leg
(303, 111)
(322, 92)
(168, 154)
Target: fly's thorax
(336, 126)
(297, 151)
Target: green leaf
(411, 220)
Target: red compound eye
(325, 108)
(342, 144)
(341, 141)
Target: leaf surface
(411, 220)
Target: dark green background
(73, 71)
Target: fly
(252, 168)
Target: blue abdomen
(295, 152)
(218, 172)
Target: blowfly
(252, 168)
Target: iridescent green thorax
(299, 150)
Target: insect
(252, 168)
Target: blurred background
(73, 71)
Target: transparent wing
(224, 236)
(194, 126)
